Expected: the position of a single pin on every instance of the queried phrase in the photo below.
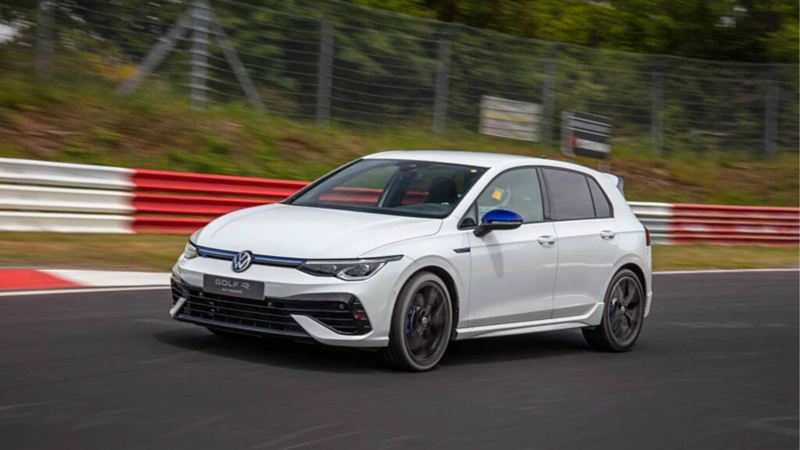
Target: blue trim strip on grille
(276, 259)
(257, 259)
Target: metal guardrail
(65, 222)
(45, 198)
(45, 173)
(151, 201)
(681, 223)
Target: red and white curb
(32, 281)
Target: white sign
(510, 118)
(585, 134)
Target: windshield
(409, 188)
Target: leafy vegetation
(385, 65)
(709, 29)
(733, 30)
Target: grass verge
(683, 257)
(90, 124)
(158, 253)
(90, 251)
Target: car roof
(479, 159)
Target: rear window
(602, 207)
(570, 198)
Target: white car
(405, 251)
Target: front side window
(517, 190)
(570, 198)
(400, 187)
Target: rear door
(513, 271)
(585, 229)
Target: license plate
(234, 287)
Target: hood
(310, 233)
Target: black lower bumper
(342, 313)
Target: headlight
(347, 269)
(190, 251)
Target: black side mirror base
(481, 231)
(484, 228)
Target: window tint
(364, 188)
(438, 184)
(601, 206)
(569, 195)
(516, 190)
(412, 188)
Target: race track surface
(716, 367)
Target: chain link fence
(334, 62)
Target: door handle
(546, 240)
(607, 234)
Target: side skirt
(592, 318)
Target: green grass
(153, 129)
(159, 252)
(683, 257)
(90, 251)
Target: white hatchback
(405, 251)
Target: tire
(422, 323)
(623, 315)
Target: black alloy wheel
(421, 323)
(623, 315)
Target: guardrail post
(156, 54)
(236, 64)
(199, 62)
(325, 73)
(442, 86)
(656, 106)
(771, 119)
(44, 39)
(549, 95)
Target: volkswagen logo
(242, 261)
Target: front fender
(438, 252)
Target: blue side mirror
(498, 219)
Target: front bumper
(296, 304)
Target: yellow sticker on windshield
(497, 194)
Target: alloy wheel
(625, 311)
(426, 322)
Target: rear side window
(602, 208)
(570, 198)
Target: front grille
(272, 314)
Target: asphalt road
(716, 367)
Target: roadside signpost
(510, 119)
(585, 134)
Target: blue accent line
(263, 258)
(205, 251)
(257, 259)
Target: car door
(513, 271)
(585, 231)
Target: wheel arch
(633, 267)
(450, 284)
(639, 272)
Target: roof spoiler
(618, 181)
